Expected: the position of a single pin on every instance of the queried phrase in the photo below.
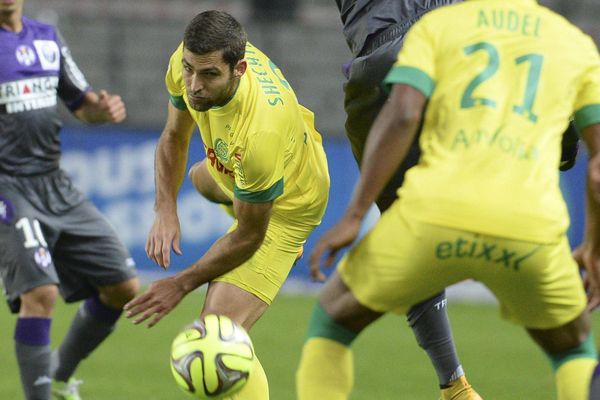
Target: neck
(11, 20)
(231, 94)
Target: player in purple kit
(52, 239)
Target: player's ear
(240, 68)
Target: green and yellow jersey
(262, 145)
(503, 78)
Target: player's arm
(589, 252)
(225, 254)
(74, 90)
(233, 249)
(388, 143)
(101, 107)
(169, 172)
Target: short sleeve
(259, 170)
(415, 65)
(587, 103)
(174, 79)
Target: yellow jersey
(262, 145)
(503, 78)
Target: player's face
(10, 6)
(209, 81)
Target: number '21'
(533, 79)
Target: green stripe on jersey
(586, 116)
(412, 77)
(178, 102)
(260, 197)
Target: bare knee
(563, 338)
(205, 184)
(241, 306)
(39, 301)
(341, 305)
(116, 296)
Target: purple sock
(596, 373)
(101, 311)
(33, 331)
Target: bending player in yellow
(263, 157)
(484, 200)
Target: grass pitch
(500, 359)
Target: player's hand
(328, 246)
(588, 258)
(161, 297)
(164, 236)
(111, 106)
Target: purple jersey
(36, 70)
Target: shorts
(403, 261)
(364, 98)
(266, 271)
(70, 245)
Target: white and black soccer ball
(212, 358)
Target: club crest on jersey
(221, 150)
(25, 55)
(7, 211)
(48, 53)
(42, 257)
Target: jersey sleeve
(174, 79)
(415, 65)
(259, 171)
(587, 103)
(72, 84)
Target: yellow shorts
(264, 273)
(402, 262)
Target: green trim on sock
(585, 350)
(322, 325)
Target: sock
(595, 385)
(326, 369)
(32, 347)
(431, 327)
(93, 322)
(257, 387)
(573, 370)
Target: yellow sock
(257, 387)
(326, 370)
(573, 379)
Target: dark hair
(216, 30)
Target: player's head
(8, 7)
(214, 44)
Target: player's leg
(206, 185)
(30, 282)
(93, 266)
(595, 385)
(245, 309)
(326, 368)
(208, 188)
(364, 97)
(572, 352)
(546, 278)
(32, 340)
(245, 293)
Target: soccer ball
(212, 358)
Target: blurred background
(124, 47)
